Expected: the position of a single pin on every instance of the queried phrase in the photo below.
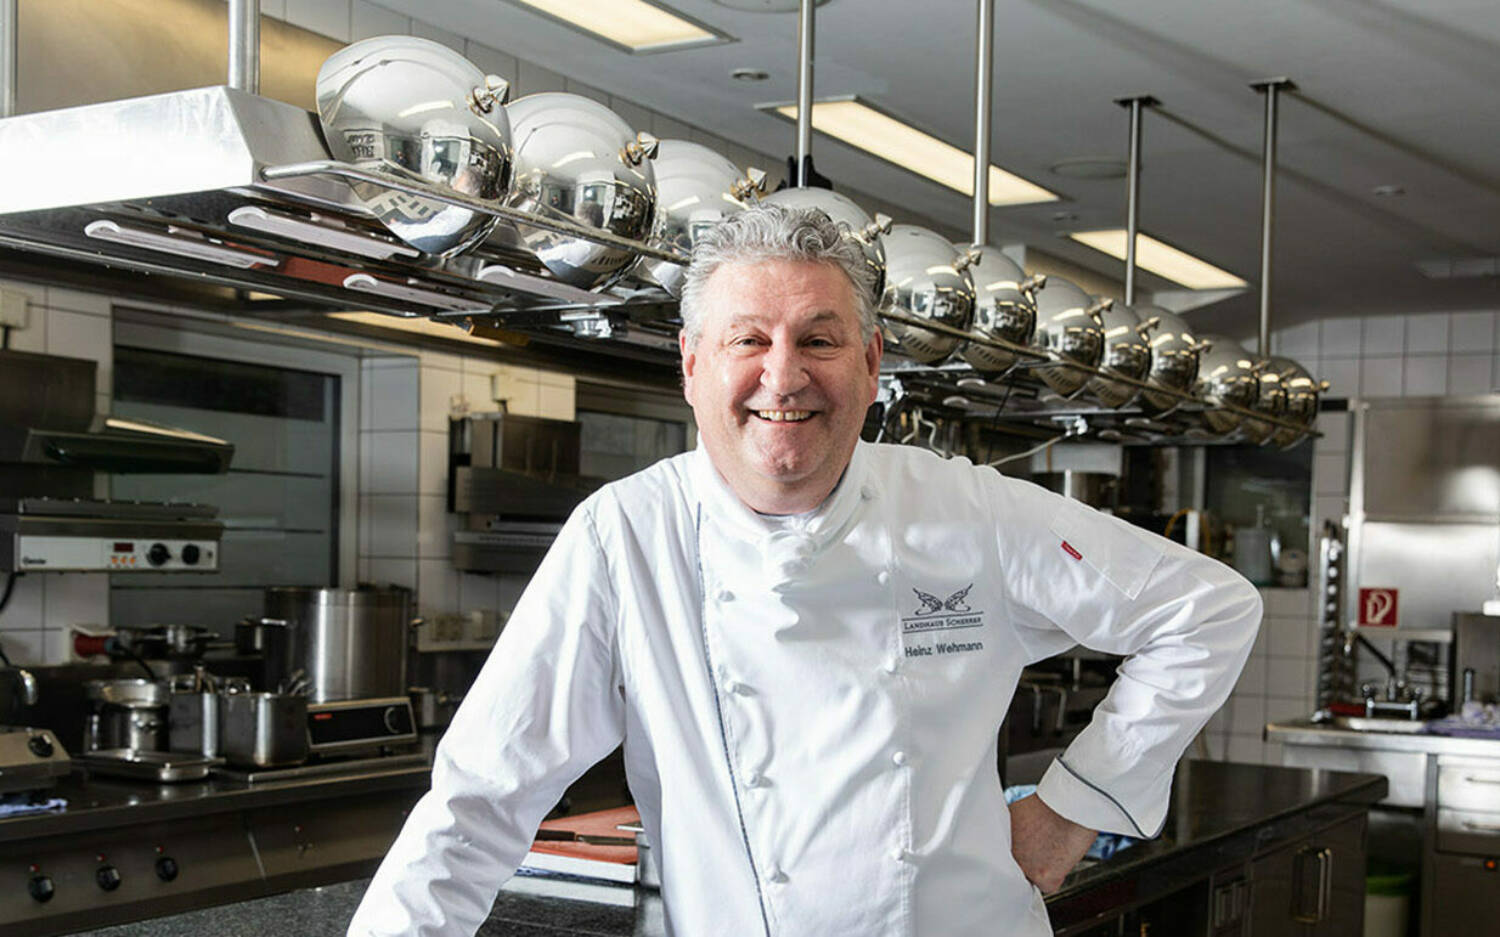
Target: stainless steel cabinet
(1315, 886)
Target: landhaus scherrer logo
(936, 614)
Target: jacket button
(867, 492)
(725, 595)
(883, 577)
(899, 758)
(891, 665)
(755, 779)
(738, 688)
(900, 855)
(775, 876)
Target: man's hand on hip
(1045, 844)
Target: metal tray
(163, 767)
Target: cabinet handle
(1475, 779)
(1319, 911)
(1481, 827)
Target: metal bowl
(1302, 392)
(416, 110)
(1270, 400)
(1174, 360)
(1126, 353)
(1227, 374)
(1004, 308)
(859, 226)
(696, 188)
(926, 279)
(578, 161)
(1067, 326)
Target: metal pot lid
(1004, 308)
(696, 188)
(926, 278)
(858, 226)
(1227, 374)
(1067, 325)
(1174, 358)
(363, 595)
(579, 161)
(1127, 353)
(1271, 400)
(414, 109)
(135, 692)
(1302, 393)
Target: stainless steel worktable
(1222, 815)
(128, 850)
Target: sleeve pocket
(1122, 555)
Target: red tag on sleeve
(1068, 549)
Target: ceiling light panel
(633, 25)
(858, 124)
(1164, 260)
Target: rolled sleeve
(1184, 622)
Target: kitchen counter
(1222, 815)
(131, 850)
(98, 802)
(1307, 732)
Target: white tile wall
(35, 626)
(1419, 355)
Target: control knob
(40, 746)
(166, 868)
(41, 888)
(108, 877)
(190, 554)
(158, 554)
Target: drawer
(1468, 787)
(1468, 831)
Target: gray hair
(774, 232)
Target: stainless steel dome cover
(925, 278)
(1127, 352)
(858, 225)
(1302, 393)
(1004, 308)
(415, 109)
(577, 160)
(696, 188)
(1067, 324)
(1174, 360)
(1271, 400)
(1227, 374)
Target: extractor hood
(228, 187)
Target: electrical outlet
(13, 311)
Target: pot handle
(484, 98)
(417, 622)
(642, 148)
(754, 184)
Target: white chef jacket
(809, 706)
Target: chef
(807, 643)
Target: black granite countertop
(97, 802)
(1220, 813)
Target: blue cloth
(1105, 844)
(18, 805)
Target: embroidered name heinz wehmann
(936, 614)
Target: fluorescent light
(1162, 259)
(450, 331)
(633, 25)
(860, 125)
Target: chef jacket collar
(821, 525)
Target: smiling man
(807, 644)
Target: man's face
(779, 380)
